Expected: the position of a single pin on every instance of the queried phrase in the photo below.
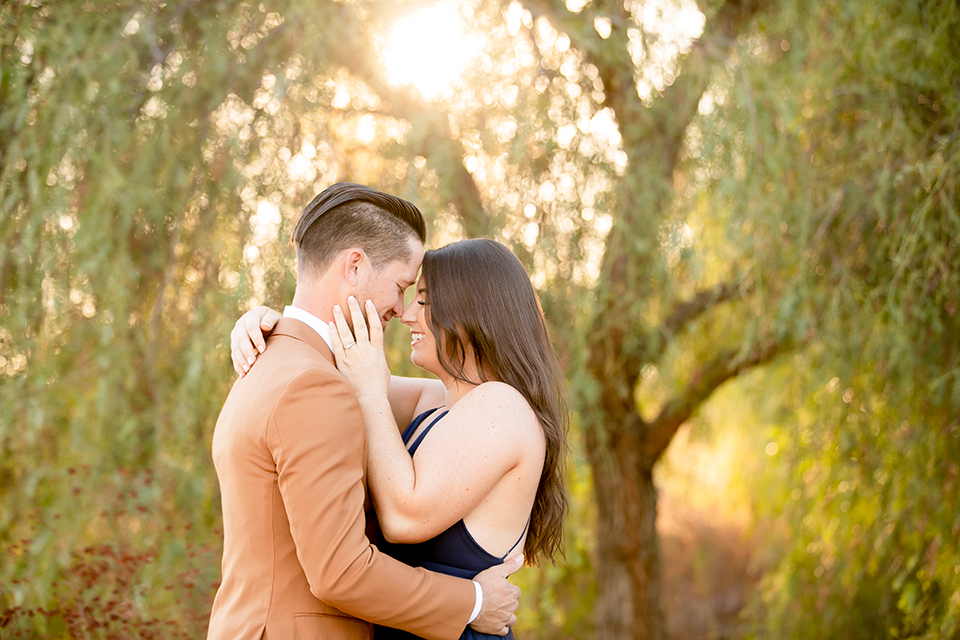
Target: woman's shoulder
(497, 389)
(501, 401)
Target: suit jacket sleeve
(316, 435)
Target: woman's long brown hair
(481, 297)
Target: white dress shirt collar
(310, 320)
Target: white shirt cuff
(476, 607)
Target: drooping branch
(702, 384)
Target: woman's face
(423, 345)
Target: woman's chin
(416, 359)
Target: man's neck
(315, 299)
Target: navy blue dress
(453, 552)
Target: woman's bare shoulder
(502, 403)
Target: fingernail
(245, 368)
(336, 308)
(251, 360)
(521, 558)
(261, 348)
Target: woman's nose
(409, 315)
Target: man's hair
(348, 215)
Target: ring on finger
(347, 346)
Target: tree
(684, 218)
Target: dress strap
(416, 443)
(416, 422)
(518, 540)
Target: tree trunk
(628, 552)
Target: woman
(478, 470)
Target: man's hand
(500, 598)
(246, 339)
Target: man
(289, 449)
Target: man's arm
(316, 437)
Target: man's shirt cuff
(476, 607)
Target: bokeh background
(742, 217)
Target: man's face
(387, 285)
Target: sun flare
(429, 50)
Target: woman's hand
(360, 360)
(246, 339)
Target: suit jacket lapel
(302, 332)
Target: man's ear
(352, 264)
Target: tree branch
(703, 383)
(652, 138)
(686, 311)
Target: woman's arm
(481, 439)
(465, 456)
(409, 397)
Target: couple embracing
(472, 483)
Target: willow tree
(154, 156)
(144, 142)
(598, 223)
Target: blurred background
(742, 217)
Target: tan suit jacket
(290, 453)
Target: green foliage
(863, 488)
(840, 122)
(124, 223)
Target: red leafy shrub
(145, 579)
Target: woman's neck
(456, 389)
